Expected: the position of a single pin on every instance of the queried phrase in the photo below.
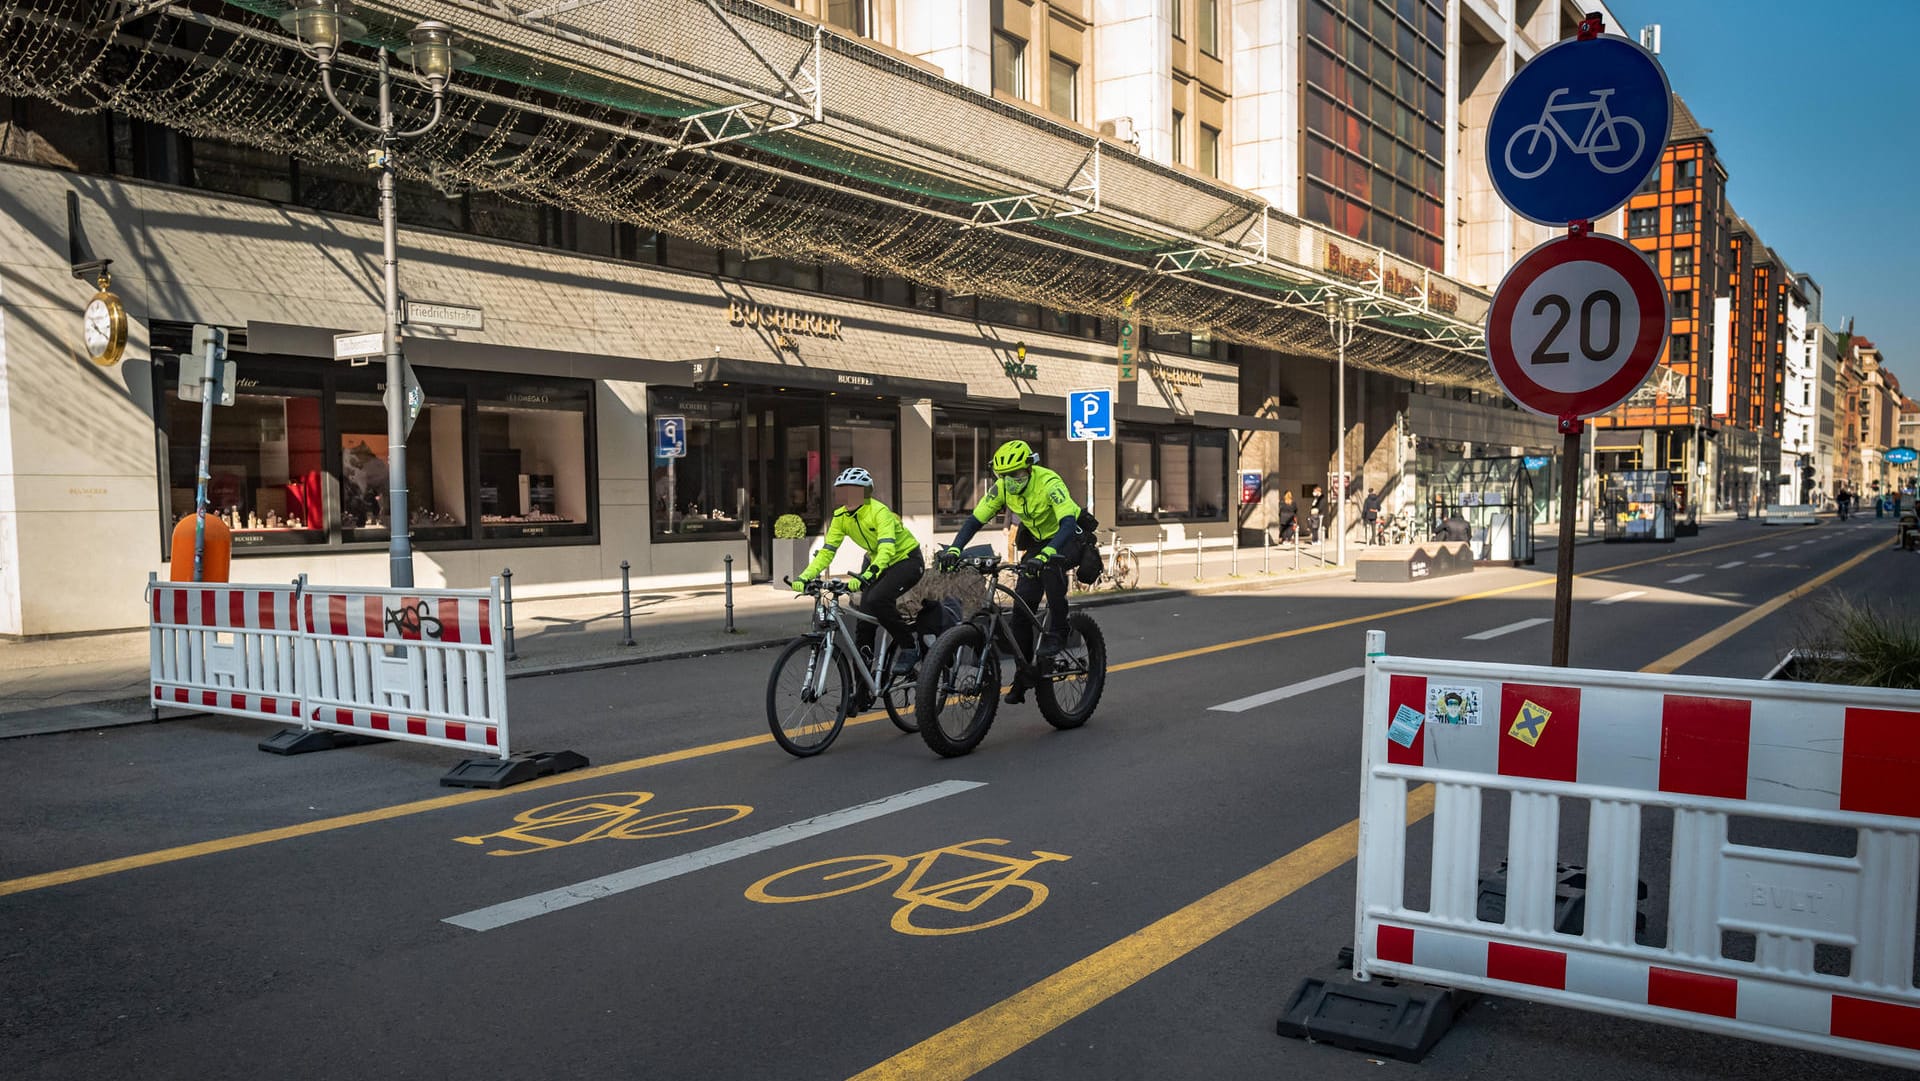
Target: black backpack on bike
(1091, 566)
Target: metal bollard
(506, 598)
(1296, 549)
(729, 592)
(1233, 564)
(1199, 540)
(1159, 550)
(1266, 552)
(626, 605)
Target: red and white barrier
(424, 665)
(226, 648)
(428, 666)
(1708, 749)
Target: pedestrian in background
(1370, 514)
(1318, 510)
(1289, 518)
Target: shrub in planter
(790, 546)
(1852, 643)
(789, 527)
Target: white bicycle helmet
(853, 474)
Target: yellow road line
(382, 814)
(980, 1041)
(1011, 1024)
(1672, 661)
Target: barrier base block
(505, 772)
(1396, 1019)
(308, 740)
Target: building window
(1643, 222)
(1063, 88)
(1680, 350)
(1180, 19)
(533, 460)
(1009, 64)
(1209, 150)
(1682, 304)
(963, 446)
(848, 15)
(266, 467)
(1686, 171)
(1173, 474)
(1208, 14)
(1683, 218)
(1179, 137)
(436, 463)
(703, 493)
(1682, 262)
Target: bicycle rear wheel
(805, 723)
(898, 698)
(1067, 697)
(1126, 569)
(959, 691)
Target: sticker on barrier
(1832, 957)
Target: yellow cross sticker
(1529, 723)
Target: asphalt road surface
(174, 903)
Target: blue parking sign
(1578, 129)
(1090, 414)
(670, 437)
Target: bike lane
(342, 930)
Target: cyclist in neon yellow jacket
(1050, 542)
(894, 561)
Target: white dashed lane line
(1508, 629)
(1241, 705)
(1684, 579)
(1618, 597)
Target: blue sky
(1816, 116)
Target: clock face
(98, 327)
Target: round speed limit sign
(1576, 326)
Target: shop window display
(866, 438)
(436, 473)
(704, 492)
(265, 469)
(533, 462)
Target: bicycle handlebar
(813, 588)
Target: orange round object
(216, 557)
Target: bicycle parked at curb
(1119, 570)
(958, 692)
(812, 687)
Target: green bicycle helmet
(1013, 456)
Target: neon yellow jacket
(877, 530)
(1040, 508)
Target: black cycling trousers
(1052, 581)
(879, 600)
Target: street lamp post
(322, 24)
(1342, 318)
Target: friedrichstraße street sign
(1578, 129)
(1576, 326)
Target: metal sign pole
(209, 390)
(1089, 476)
(1571, 429)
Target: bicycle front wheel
(1068, 695)
(959, 691)
(1126, 569)
(806, 708)
(898, 699)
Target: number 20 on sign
(1577, 325)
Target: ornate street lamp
(1342, 318)
(322, 25)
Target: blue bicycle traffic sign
(1090, 414)
(670, 437)
(1578, 129)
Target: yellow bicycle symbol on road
(614, 815)
(970, 902)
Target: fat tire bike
(958, 692)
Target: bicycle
(1120, 571)
(808, 700)
(964, 894)
(1601, 123)
(960, 676)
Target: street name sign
(1900, 455)
(1090, 414)
(1578, 129)
(372, 343)
(429, 313)
(1576, 326)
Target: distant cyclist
(894, 561)
(1049, 542)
